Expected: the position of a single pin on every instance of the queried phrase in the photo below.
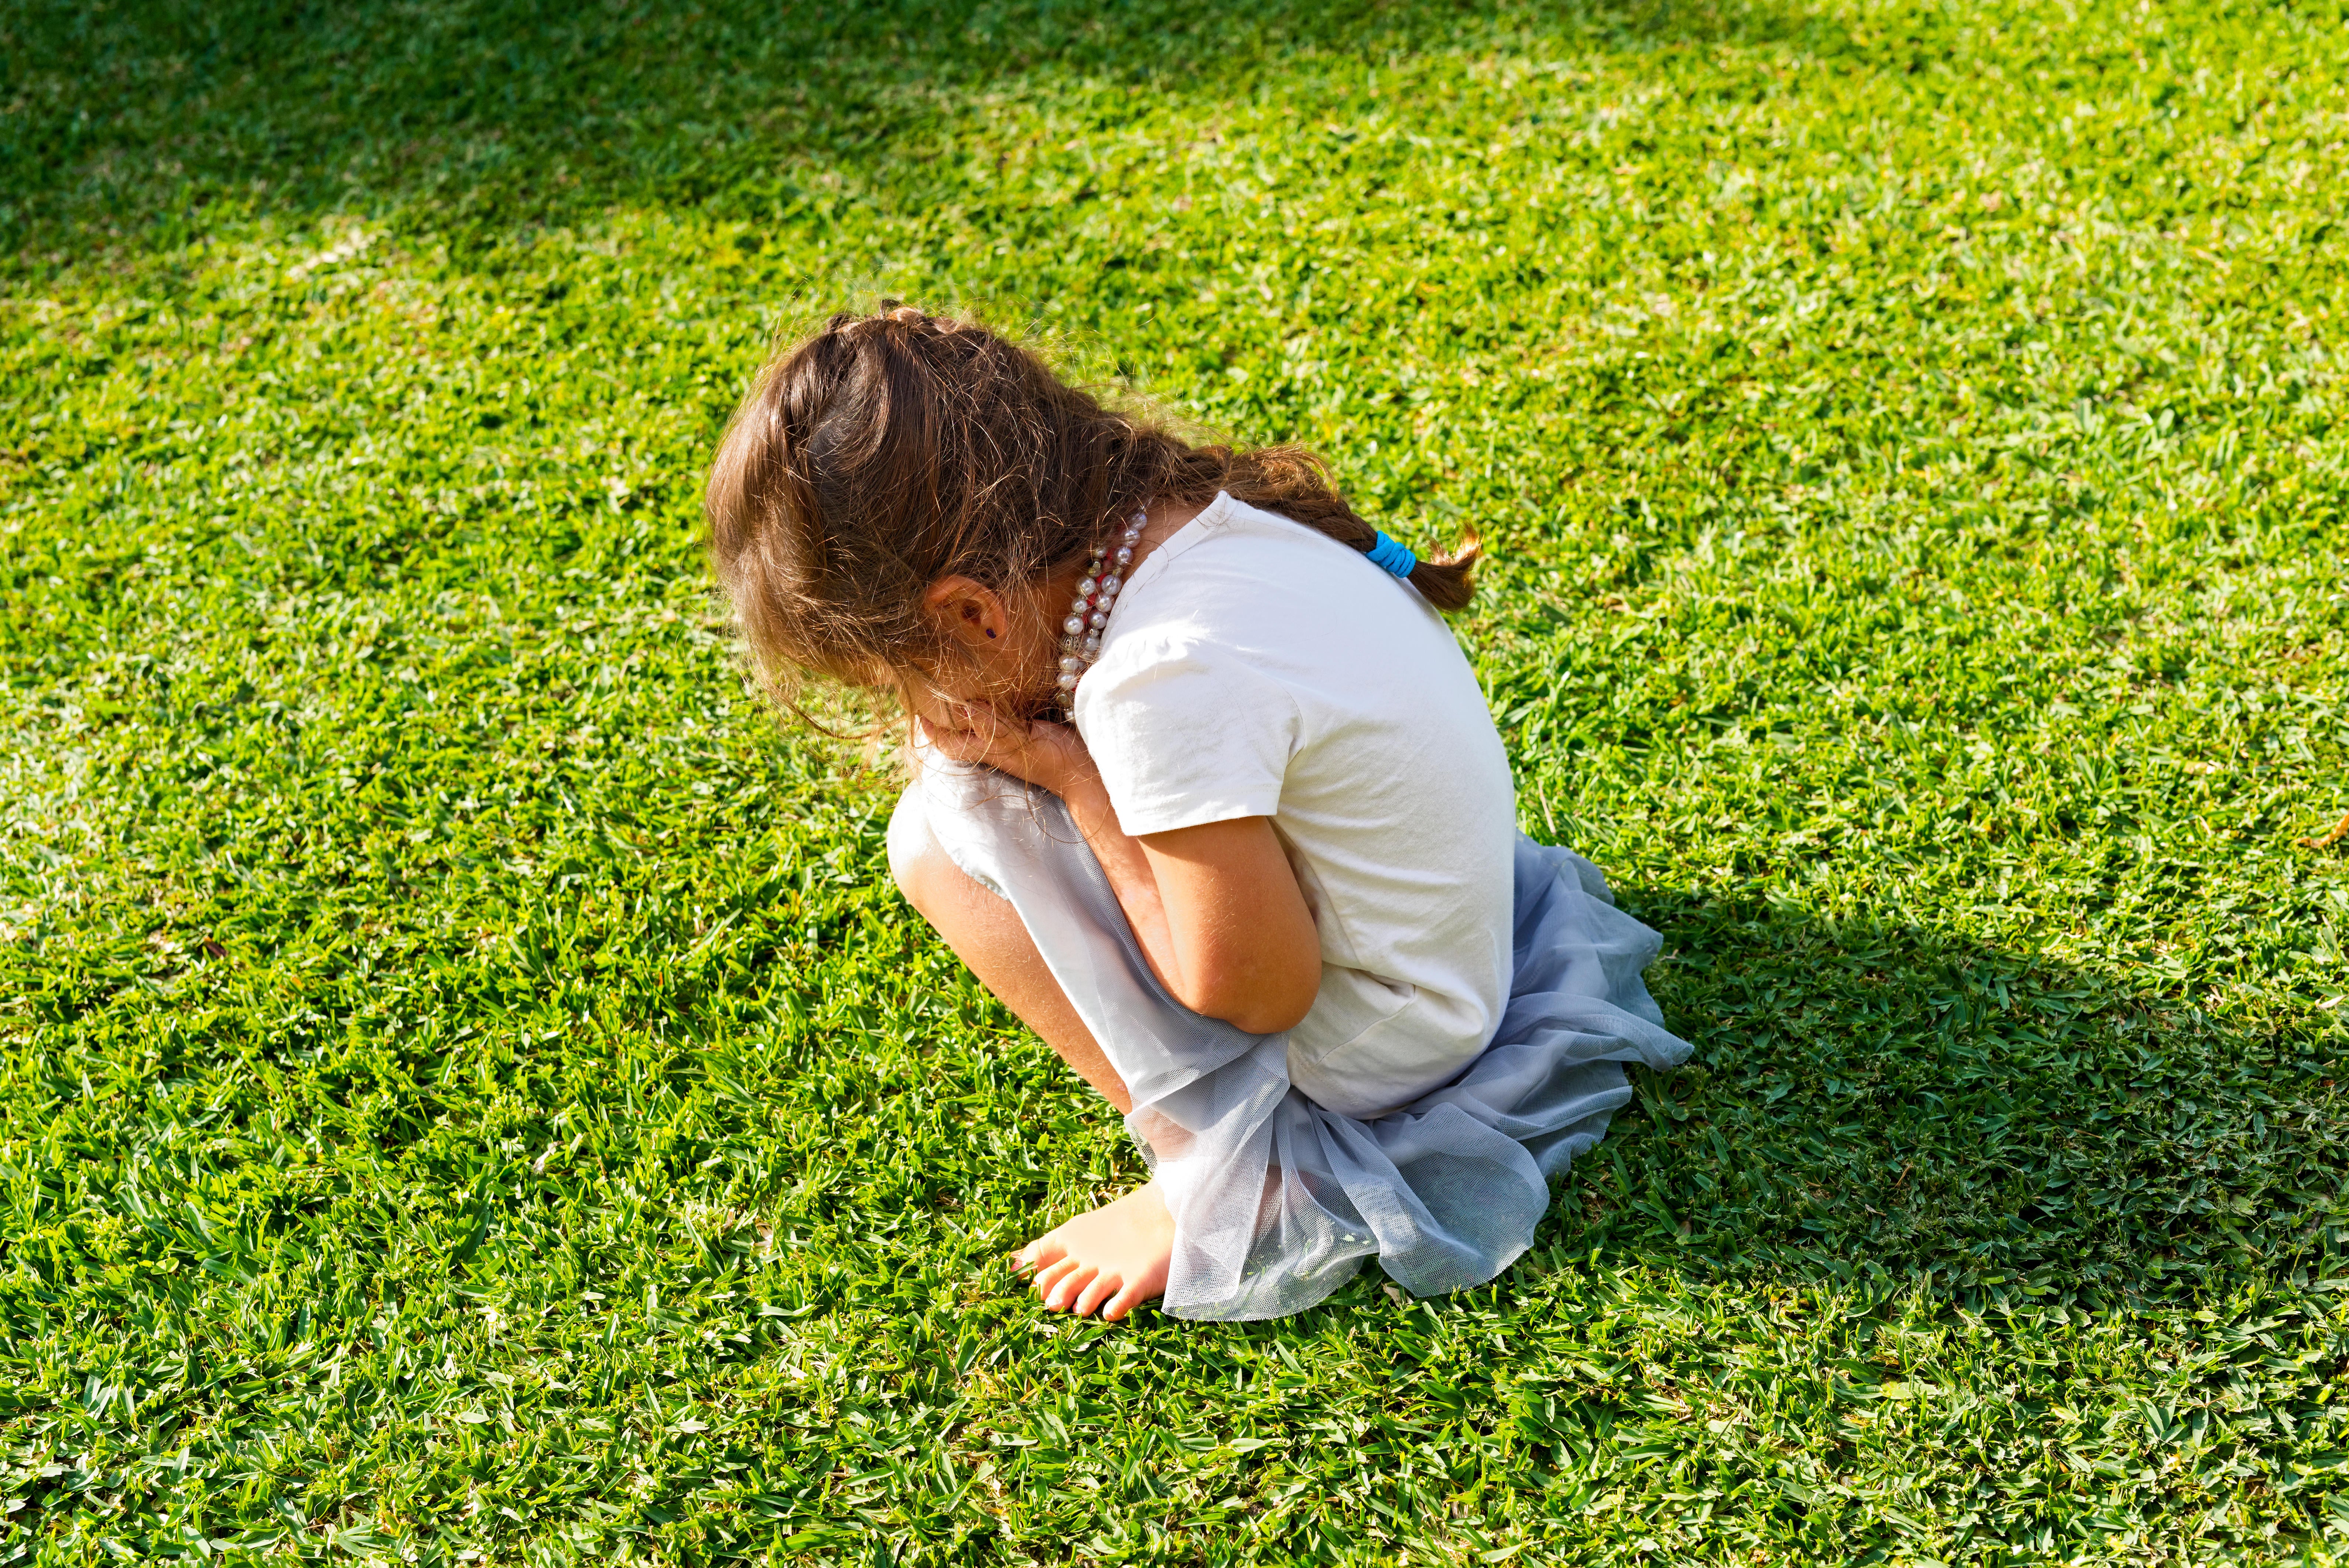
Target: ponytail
(1295, 484)
(888, 450)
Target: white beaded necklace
(1080, 637)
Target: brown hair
(887, 452)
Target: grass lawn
(469, 1092)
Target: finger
(1049, 733)
(927, 704)
(951, 713)
(925, 721)
(958, 745)
(1104, 1286)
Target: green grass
(468, 1092)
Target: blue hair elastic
(1393, 555)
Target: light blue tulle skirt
(1277, 1199)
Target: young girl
(1207, 794)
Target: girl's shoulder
(1248, 604)
(1236, 560)
(1231, 524)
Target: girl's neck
(1040, 640)
(1166, 519)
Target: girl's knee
(913, 848)
(939, 890)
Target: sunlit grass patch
(468, 1091)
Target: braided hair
(889, 451)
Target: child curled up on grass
(1205, 793)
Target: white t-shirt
(1254, 667)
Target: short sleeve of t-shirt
(1185, 733)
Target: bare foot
(1112, 1258)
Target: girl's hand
(1217, 908)
(1050, 756)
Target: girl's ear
(968, 611)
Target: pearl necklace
(1081, 634)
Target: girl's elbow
(1278, 1020)
(1268, 1007)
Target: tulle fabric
(1277, 1200)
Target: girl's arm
(1217, 907)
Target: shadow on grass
(135, 126)
(1873, 1102)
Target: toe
(1036, 1254)
(1053, 1273)
(1105, 1285)
(1129, 1296)
(1066, 1288)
